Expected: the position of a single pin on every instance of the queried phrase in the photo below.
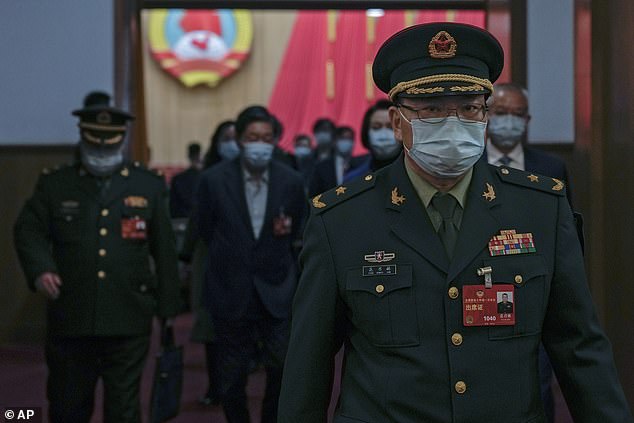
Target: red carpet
(23, 382)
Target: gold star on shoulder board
(533, 178)
(341, 190)
(318, 204)
(489, 194)
(397, 199)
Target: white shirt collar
(516, 155)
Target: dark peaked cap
(102, 118)
(438, 59)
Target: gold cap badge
(442, 46)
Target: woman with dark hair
(377, 136)
(223, 145)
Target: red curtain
(305, 91)
(298, 97)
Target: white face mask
(228, 150)
(99, 160)
(257, 154)
(344, 146)
(447, 149)
(302, 151)
(506, 131)
(383, 144)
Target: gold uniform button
(456, 339)
(103, 231)
(143, 288)
(368, 178)
(461, 387)
(379, 288)
(105, 212)
(504, 171)
(101, 274)
(102, 252)
(518, 279)
(453, 292)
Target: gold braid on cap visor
(411, 87)
(99, 127)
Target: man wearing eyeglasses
(507, 128)
(403, 267)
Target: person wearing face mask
(377, 137)
(304, 157)
(193, 255)
(324, 135)
(223, 145)
(250, 214)
(85, 240)
(332, 172)
(403, 266)
(507, 128)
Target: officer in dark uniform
(85, 239)
(403, 267)
(505, 306)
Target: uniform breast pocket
(384, 307)
(529, 276)
(67, 226)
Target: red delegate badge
(133, 228)
(493, 306)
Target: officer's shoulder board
(531, 180)
(338, 195)
(53, 170)
(141, 167)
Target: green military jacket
(376, 278)
(114, 252)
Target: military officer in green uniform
(403, 267)
(85, 239)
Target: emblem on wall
(199, 46)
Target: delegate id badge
(494, 306)
(133, 228)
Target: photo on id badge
(492, 306)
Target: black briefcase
(168, 379)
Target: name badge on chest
(133, 228)
(494, 306)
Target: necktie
(505, 160)
(446, 205)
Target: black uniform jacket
(408, 356)
(239, 265)
(108, 285)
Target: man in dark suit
(85, 239)
(250, 214)
(507, 129)
(401, 267)
(330, 172)
(183, 186)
